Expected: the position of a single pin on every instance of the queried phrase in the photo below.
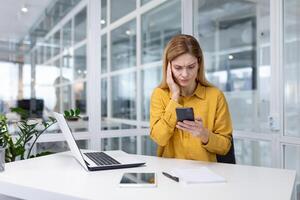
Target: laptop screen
(70, 138)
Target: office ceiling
(14, 24)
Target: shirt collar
(199, 92)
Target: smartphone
(185, 114)
(138, 180)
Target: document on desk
(197, 175)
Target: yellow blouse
(208, 103)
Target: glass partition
(80, 96)
(48, 48)
(256, 153)
(120, 9)
(56, 43)
(291, 71)
(123, 94)
(59, 146)
(67, 35)
(66, 91)
(80, 70)
(235, 38)
(104, 54)
(123, 46)
(145, 1)
(68, 66)
(150, 79)
(104, 98)
(103, 20)
(80, 26)
(47, 81)
(127, 144)
(291, 68)
(148, 146)
(159, 25)
(9, 86)
(290, 152)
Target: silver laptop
(93, 161)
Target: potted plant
(29, 132)
(72, 115)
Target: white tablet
(138, 180)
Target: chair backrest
(229, 157)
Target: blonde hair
(178, 45)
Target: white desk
(61, 177)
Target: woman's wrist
(175, 96)
(204, 136)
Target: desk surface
(60, 176)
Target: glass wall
(104, 54)
(67, 35)
(26, 79)
(150, 79)
(61, 69)
(55, 147)
(123, 76)
(53, 13)
(157, 31)
(127, 144)
(291, 73)
(291, 154)
(124, 96)
(103, 20)
(120, 9)
(250, 152)
(47, 84)
(292, 67)
(235, 38)
(80, 26)
(9, 87)
(123, 46)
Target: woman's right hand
(174, 88)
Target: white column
(277, 95)
(94, 72)
(187, 16)
(138, 79)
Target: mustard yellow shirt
(208, 103)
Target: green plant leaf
(72, 112)
(19, 151)
(53, 120)
(67, 114)
(45, 124)
(23, 113)
(77, 111)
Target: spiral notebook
(197, 175)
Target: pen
(174, 178)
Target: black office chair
(229, 157)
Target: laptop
(93, 161)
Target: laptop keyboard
(101, 158)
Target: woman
(184, 85)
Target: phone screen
(185, 114)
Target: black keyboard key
(101, 158)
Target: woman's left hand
(195, 128)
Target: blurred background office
(104, 57)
